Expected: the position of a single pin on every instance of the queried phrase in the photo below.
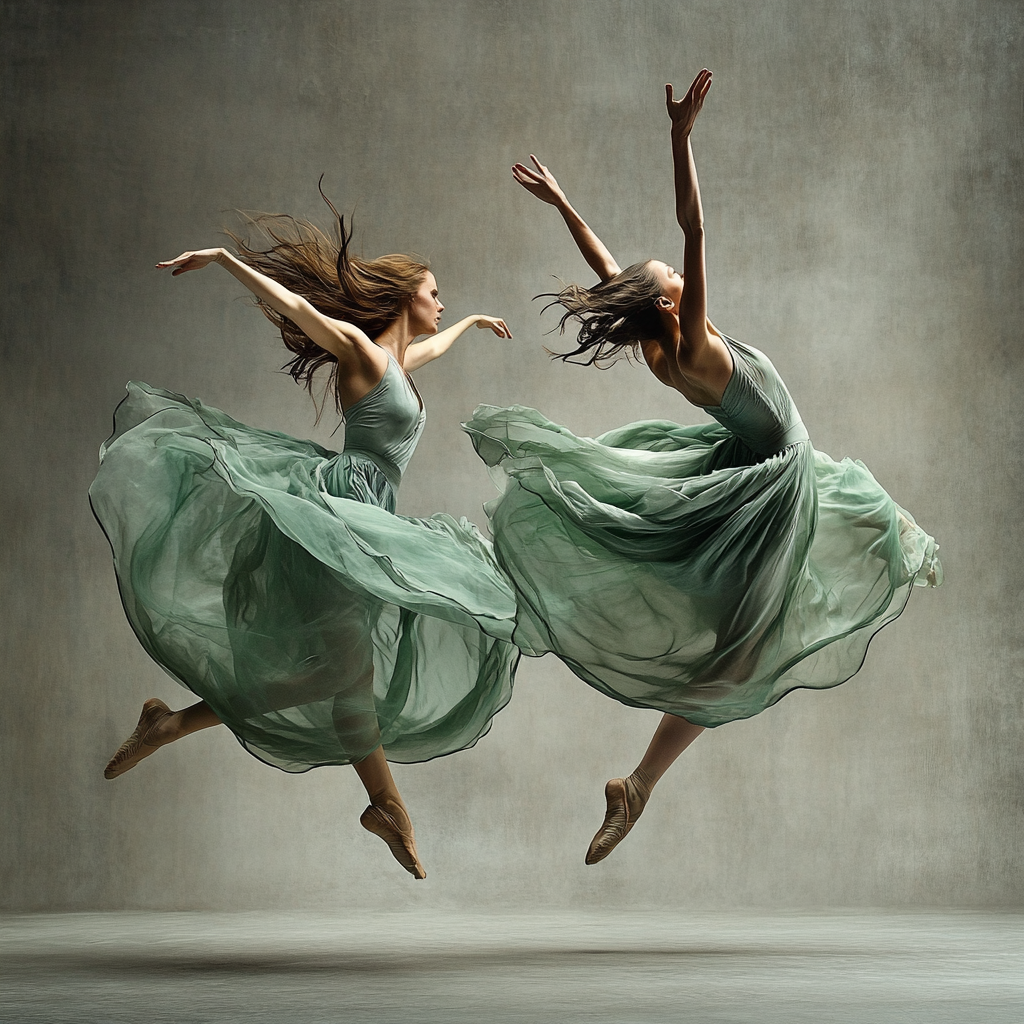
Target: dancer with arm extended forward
(272, 578)
(704, 571)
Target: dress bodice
(756, 406)
(386, 423)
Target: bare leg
(158, 726)
(355, 722)
(626, 798)
(737, 645)
(673, 735)
(387, 816)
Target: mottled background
(861, 168)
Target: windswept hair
(614, 316)
(372, 294)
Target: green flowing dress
(705, 570)
(272, 578)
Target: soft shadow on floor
(422, 968)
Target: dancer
(272, 578)
(705, 571)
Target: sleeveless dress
(704, 570)
(271, 577)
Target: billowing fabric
(701, 570)
(270, 577)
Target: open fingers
(497, 325)
(531, 181)
(705, 85)
(700, 86)
(177, 260)
(694, 98)
(185, 262)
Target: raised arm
(422, 352)
(541, 183)
(335, 336)
(690, 215)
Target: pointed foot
(135, 748)
(619, 818)
(401, 842)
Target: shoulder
(354, 347)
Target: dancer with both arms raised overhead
(705, 571)
(272, 578)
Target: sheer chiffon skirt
(671, 567)
(270, 577)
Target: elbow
(296, 308)
(692, 224)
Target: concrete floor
(558, 967)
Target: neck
(396, 338)
(669, 327)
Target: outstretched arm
(690, 215)
(541, 183)
(334, 336)
(423, 352)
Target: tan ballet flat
(135, 748)
(401, 844)
(617, 822)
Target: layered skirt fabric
(271, 578)
(671, 567)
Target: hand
(540, 182)
(684, 112)
(191, 260)
(495, 324)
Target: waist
(355, 476)
(384, 464)
(774, 442)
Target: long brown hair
(372, 294)
(614, 316)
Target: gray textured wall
(861, 167)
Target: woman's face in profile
(670, 283)
(424, 307)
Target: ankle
(164, 730)
(639, 785)
(391, 804)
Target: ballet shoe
(618, 820)
(401, 844)
(135, 748)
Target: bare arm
(423, 352)
(335, 336)
(693, 305)
(541, 183)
